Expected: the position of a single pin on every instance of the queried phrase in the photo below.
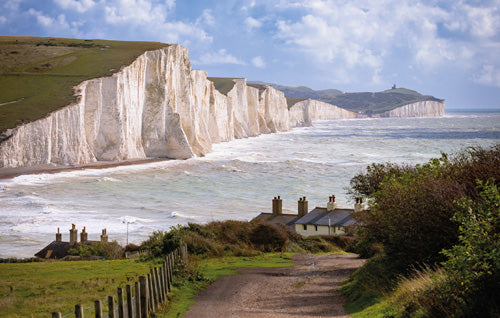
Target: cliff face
(419, 109)
(304, 112)
(157, 107)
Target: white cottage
(320, 221)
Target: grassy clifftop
(37, 75)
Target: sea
(237, 180)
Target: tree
(472, 285)
(411, 209)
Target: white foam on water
(236, 181)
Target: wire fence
(139, 301)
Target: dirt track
(308, 289)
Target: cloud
(78, 5)
(41, 18)
(150, 18)
(3, 19)
(252, 23)
(136, 12)
(219, 57)
(488, 75)
(207, 18)
(359, 35)
(258, 61)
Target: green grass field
(37, 289)
(37, 75)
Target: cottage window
(316, 228)
(305, 227)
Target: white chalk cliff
(157, 107)
(427, 108)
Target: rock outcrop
(157, 107)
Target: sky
(448, 49)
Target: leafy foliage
(108, 250)
(412, 208)
(437, 229)
(233, 238)
(473, 266)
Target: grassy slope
(39, 73)
(41, 288)
(222, 84)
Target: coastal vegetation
(433, 234)
(37, 75)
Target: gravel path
(308, 289)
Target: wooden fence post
(159, 299)
(130, 314)
(78, 311)
(151, 292)
(143, 280)
(120, 303)
(111, 307)
(137, 300)
(165, 278)
(98, 309)
(162, 283)
(56, 315)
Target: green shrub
(108, 250)
(233, 238)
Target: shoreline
(9, 173)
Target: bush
(411, 208)
(108, 250)
(232, 238)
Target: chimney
(302, 206)
(73, 235)
(277, 206)
(359, 205)
(104, 236)
(83, 236)
(58, 236)
(331, 205)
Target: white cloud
(489, 75)
(219, 57)
(207, 18)
(258, 61)
(136, 12)
(152, 19)
(12, 5)
(361, 35)
(3, 19)
(78, 5)
(252, 23)
(41, 18)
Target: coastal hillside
(68, 102)
(369, 103)
(37, 75)
(155, 107)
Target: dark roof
(320, 216)
(55, 250)
(59, 249)
(285, 219)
